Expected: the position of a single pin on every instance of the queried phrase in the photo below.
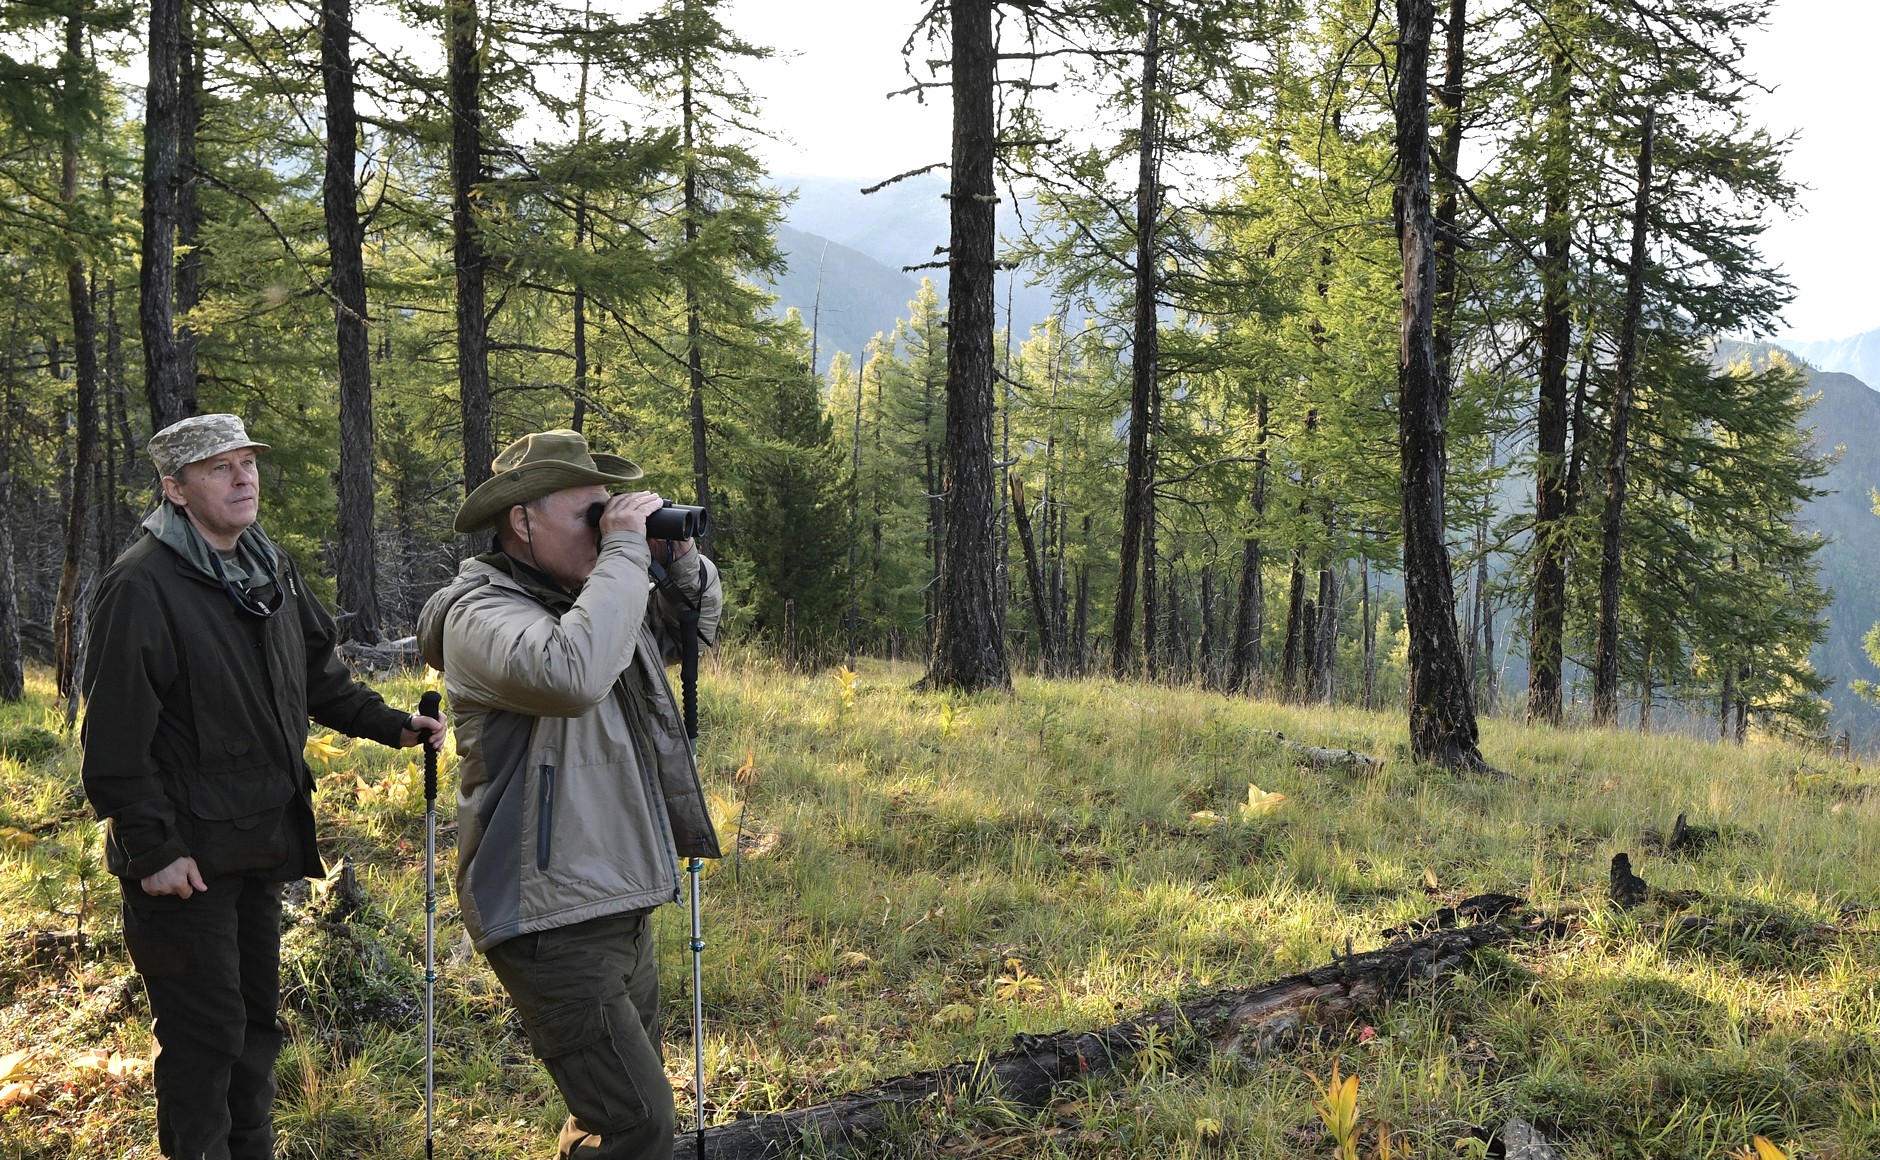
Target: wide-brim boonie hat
(538, 465)
(196, 438)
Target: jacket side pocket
(544, 817)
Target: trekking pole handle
(427, 707)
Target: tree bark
(1442, 712)
(169, 352)
(1295, 629)
(357, 556)
(1606, 657)
(1370, 631)
(12, 663)
(1546, 640)
(968, 653)
(470, 261)
(1450, 94)
(1034, 575)
(85, 364)
(1250, 597)
(1138, 482)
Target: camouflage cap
(198, 437)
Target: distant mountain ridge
(1846, 422)
(1858, 356)
(873, 239)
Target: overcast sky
(838, 58)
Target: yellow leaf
(1259, 802)
(1209, 1130)
(15, 1094)
(1429, 879)
(1205, 818)
(324, 749)
(14, 839)
(1767, 1151)
(747, 773)
(953, 1014)
(13, 1067)
(97, 1058)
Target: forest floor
(919, 879)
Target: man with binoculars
(577, 788)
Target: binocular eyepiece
(673, 521)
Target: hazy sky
(837, 59)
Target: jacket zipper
(544, 817)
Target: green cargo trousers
(588, 995)
(211, 967)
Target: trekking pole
(688, 684)
(427, 707)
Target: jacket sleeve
(334, 698)
(129, 663)
(505, 650)
(697, 577)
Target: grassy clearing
(921, 877)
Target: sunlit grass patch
(915, 879)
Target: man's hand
(180, 878)
(666, 551)
(420, 728)
(627, 512)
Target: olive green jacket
(196, 718)
(573, 801)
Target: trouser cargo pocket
(579, 1044)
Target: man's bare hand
(180, 878)
(628, 512)
(429, 730)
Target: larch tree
(1442, 709)
(357, 551)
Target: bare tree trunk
(1250, 597)
(1645, 694)
(968, 653)
(1325, 662)
(85, 361)
(1082, 616)
(1442, 714)
(466, 174)
(1546, 640)
(1370, 632)
(1207, 647)
(1040, 602)
(12, 665)
(1295, 629)
(1606, 660)
(1138, 483)
(169, 352)
(1445, 182)
(358, 562)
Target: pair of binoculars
(673, 521)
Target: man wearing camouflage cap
(206, 657)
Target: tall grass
(918, 878)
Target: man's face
(563, 544)
(220, 494)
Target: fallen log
(1245, 1020)
(380, 658)
(1318, 757)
